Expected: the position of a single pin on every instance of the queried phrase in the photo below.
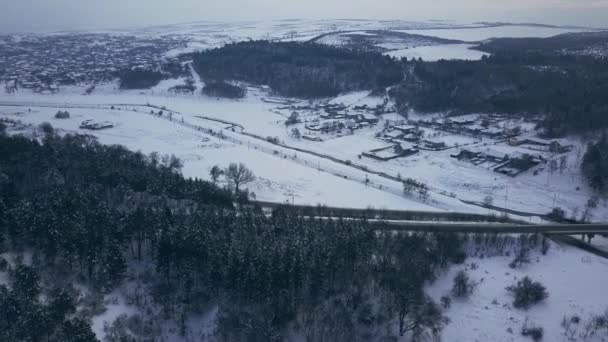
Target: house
(551, 145)
(433, 145)
(518, 164)
(392, 152)
(393, 135)
(474, 157)
(474, 129)
(493, 132)
(411, 137)
(496, 157)
(462, 120)
(370, 118)
(466, 154)
(406, 129)
(515, 141)
(311, 138)
(92, 125)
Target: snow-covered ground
(286, 175)
(574, 280)
(280, 177)
(436, 52)
(482, 33)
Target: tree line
(568, 92)
(86, 211)
(305, 70)
(560, 87)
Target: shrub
(536, 333)
(463, 286)
(223, 89)
(62, 115)
(446, 302)
(557, 215)
(521, 258)
(527, 293)
(47, 128)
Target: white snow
(574, 281)
(483, 33)
(283, 177)
(115, 306)
(436, 52)
(280, 177)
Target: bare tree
(563, 164)
(239, 174)
(488, 200)
(553, 166)
(296, 133)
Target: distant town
(44, 63)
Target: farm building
(93, 125)
(392, 152)
(433, 145)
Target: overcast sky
(36, 15)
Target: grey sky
(35, 15)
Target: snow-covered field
(574, 280)
(286, 175)
(482, 33)
(280, 177)
(436, 52)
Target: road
(429, 221)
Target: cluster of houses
(338, 119)
(509, 164)
(538, 144)
(472, 125)
(45, 62)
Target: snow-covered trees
(304, 70)
(268, 271)
(595, 165)
(24, 317)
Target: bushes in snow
(463, 285)
(62, 115)
(46, 128)
(527, 293)
(535, 333)
(577, 329)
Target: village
(45, 63)
(501, 143)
